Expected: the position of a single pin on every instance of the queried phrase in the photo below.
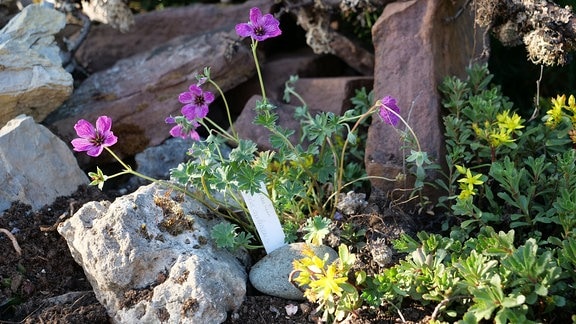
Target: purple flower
(259, 27)
(389, 111)
(93, 140)
(183, 128)
(196, 102)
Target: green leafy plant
(226, 236)
(317, 228)
(510, 255)
(303, 177)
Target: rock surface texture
(32, 80)
(36, 167)
(105, 46)
(415, 48)
(150, 259)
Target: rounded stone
(270, 274)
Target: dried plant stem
(13, 239)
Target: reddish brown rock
(415, 48)
(278, 69)
(324, 94)
(246, 129)
(139, 92)
(331, 94)
(105, 45)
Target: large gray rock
(36, 167)
(139, 92)
(271, 274)
(415, 48)
(150, 259)
(32, 80)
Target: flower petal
(255, 15)
(84, 128)
(244, 30)
(195, 90)
(103, 124)
(208, 97)
(176, 131)
(82, 144)
(189, 111)
(109, 139)
(185, 97)
(95, 151)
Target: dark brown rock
(139, 92)
(278, 69)
(322, 95)
(105, 45)
(259, 134)
(415, 48)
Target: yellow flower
(466, 194)
(554, 115)
(502, 137)
(572, 104)
(329, 284)
(510, 123)
(471, 180)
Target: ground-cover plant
(509, 252)
(303, 177)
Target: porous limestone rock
(415, 49)
(150, 259)
(271, 274)
(36, 167)
(32, 80)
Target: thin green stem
(219, 129)
(227, 107)
(297, 95)
(343, 153)
(254, 54)
(378, 103)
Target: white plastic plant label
(265, 219)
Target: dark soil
(45, 284)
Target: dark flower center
(259, 31)
(199, 101)
(98, 140)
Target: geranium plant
(302, 176)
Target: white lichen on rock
(351, 202)
(547, 30)
(115, 13)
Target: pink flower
(196, 102)
(93, 140)
(389, 111)
(259, 27)
(183, 128)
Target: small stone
(270, 274)
(381, 252)
(351, 202)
